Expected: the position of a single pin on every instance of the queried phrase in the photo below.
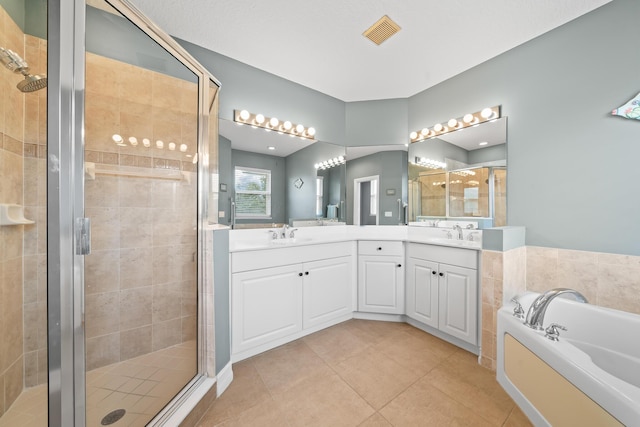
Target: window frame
(267, 193)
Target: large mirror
(460, 175)
(376, 184)
(269, 179)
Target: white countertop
(259, 239)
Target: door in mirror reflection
(140, 292)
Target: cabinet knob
(380, 248)
(306, 273)
(434, 272)
(300, 274)
(441, 274)
(399, 265)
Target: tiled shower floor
(141, 386)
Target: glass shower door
(140, 195)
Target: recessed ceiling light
(271, 148)
(483, 143)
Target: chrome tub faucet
(535, 315)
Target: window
(319, 196)
(253, 193)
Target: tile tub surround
(608, 280)
(364, 373)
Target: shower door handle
(83, 236)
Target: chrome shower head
(15, 63)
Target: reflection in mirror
(287, 187)
(383, 169)
(460, 174)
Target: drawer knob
(306, 273)
(441, 274)
(379, 248)
(300, 274)
(399, 265)
(434, 272)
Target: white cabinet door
(326, 290)
(266, 305)
(458, 302)
(422, 291)
(381, 284)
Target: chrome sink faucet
(535, 315)
(457, 228)
(283, 231)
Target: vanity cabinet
(442, 289)
(381, 277)
(276, 304)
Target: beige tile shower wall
(609, 280)
(35, 238)
(11, 237)
(140, 280)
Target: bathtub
(595, 366)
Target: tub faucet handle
(272, 234)
(552, 331)
(518, 311)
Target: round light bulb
(468, 118)
(486, 113)
(172, 146)
(341, 158)
(299, 128)
(311, 132)
(438, 127)
(316, 166)
(425, 132)
(183, 148)
(244, 115)
(453, 123)
(146, 142)
(273, 122)
(413, 135)
(259, 119)
(287, 125)
(133, 140)
(159, 144)
(117, 138)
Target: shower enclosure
(104, 297)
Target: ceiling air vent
(381, 30)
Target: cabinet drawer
(255, 260)
(454, 256)
(379, 247)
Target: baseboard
(378, 316)
(224, 378)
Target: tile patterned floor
(364, 373)
(142, 386)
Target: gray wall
(221, 289)
(488, 154)
(382, 122)
(246, 87)
(391, 167)
(225, 171)
(301, 202)
(570, 162)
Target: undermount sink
(455, 242)
(289, 241)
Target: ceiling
(319, 44)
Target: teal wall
(16, 10)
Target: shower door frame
(65, 204)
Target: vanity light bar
(429, 163)
(244, 117)
(340, 160)
(468, 120)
